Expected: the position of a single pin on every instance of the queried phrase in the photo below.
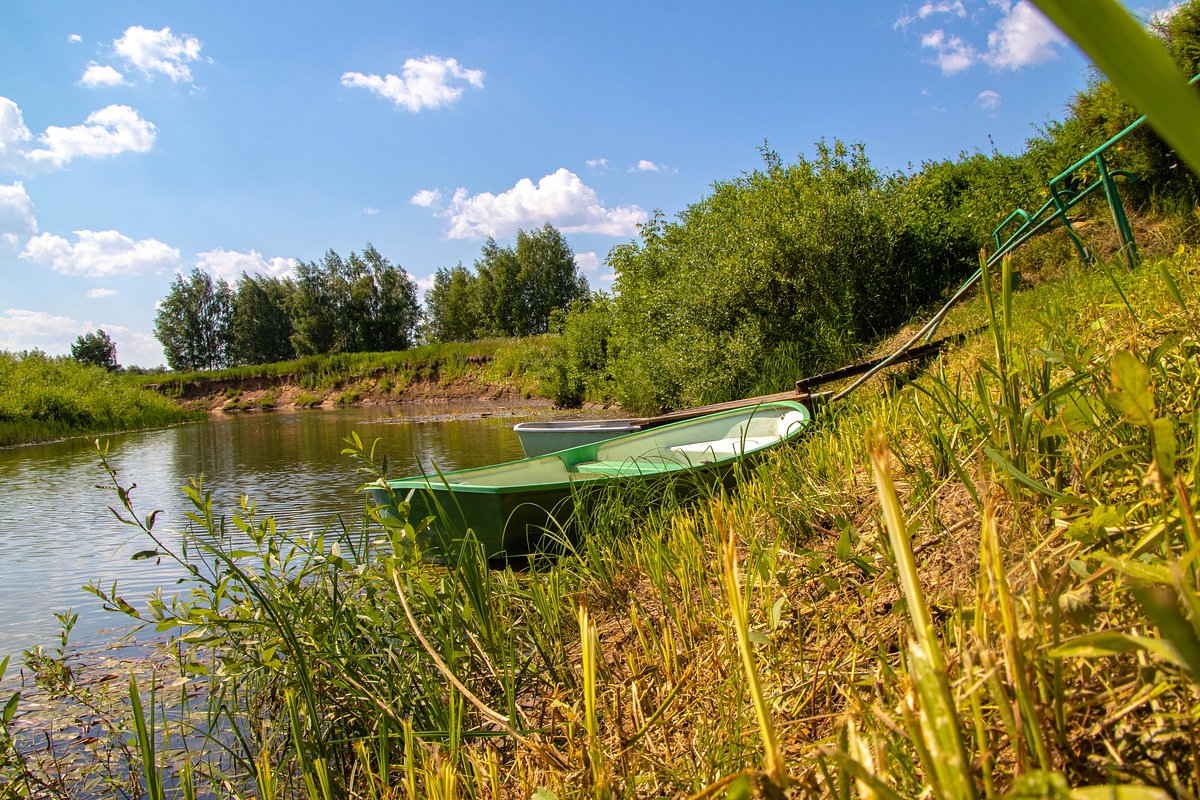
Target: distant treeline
(364, 303)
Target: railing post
(1124, 232)
(1084, 255)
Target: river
(57, 532)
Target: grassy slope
(43, 398)
(1036, 487)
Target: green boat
(510, 507)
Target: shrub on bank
(46, 398)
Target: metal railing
(1062, 199)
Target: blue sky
(142, 139)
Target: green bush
(45, 398)
(817, 257)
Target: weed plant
(43, 398)
(980, 582)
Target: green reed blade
(1136, 64)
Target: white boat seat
(701, 452)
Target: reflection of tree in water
(290, 464)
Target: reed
(1000, 602)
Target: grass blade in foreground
(1136, 64)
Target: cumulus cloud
(560, 198)
(97, 294)
(950, 53)
(927, 10)
(17, 219)
(100, 254)
(74, 38)
(428, 82)
(14, 136)
(230, 264)
(1021, 37)
(159, 52)
(988, 99)
(426, 198)
(107, 132)
(110, 131)
(101, 75)
(23, 329)
(1024, 36)
(424, 285)
(597, 163)
(646, 166)
(588, 262)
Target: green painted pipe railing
(1063, 197)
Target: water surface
(57, 533)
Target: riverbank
(978, 577)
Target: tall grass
(44, 398)
(981, 582)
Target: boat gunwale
(438, 481)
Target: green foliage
(353, 305)
(574, 364)
(46, 398)
(513, 292)
(193, 322)
(96, 349)
(262, 323)
(452, 306)
(821, 256)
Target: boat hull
(540, 438)
(515, 508)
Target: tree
(452, 306)
(193, 322)
(353, 305)
(96, 348)
(314, 306)
(520, 287)
(262, 328)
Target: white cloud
(229, 264)
(428, 82)
(1021, 37)
(135, 347)
(100, 254)
(370, 211)
(1024, 36)
(560, 198)
(426, 198)
(423, 286)
(951, 53)
(597, 163)
(17, 219)
(14, 136)
(101, 75)
(589, 261)
(97, 294)
(646, 166)
(927, 10)
(74, 38)
(22, 329)
(108, 132)
(159, 52)
(988, 99)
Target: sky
(142, 140)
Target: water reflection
(57, 534)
